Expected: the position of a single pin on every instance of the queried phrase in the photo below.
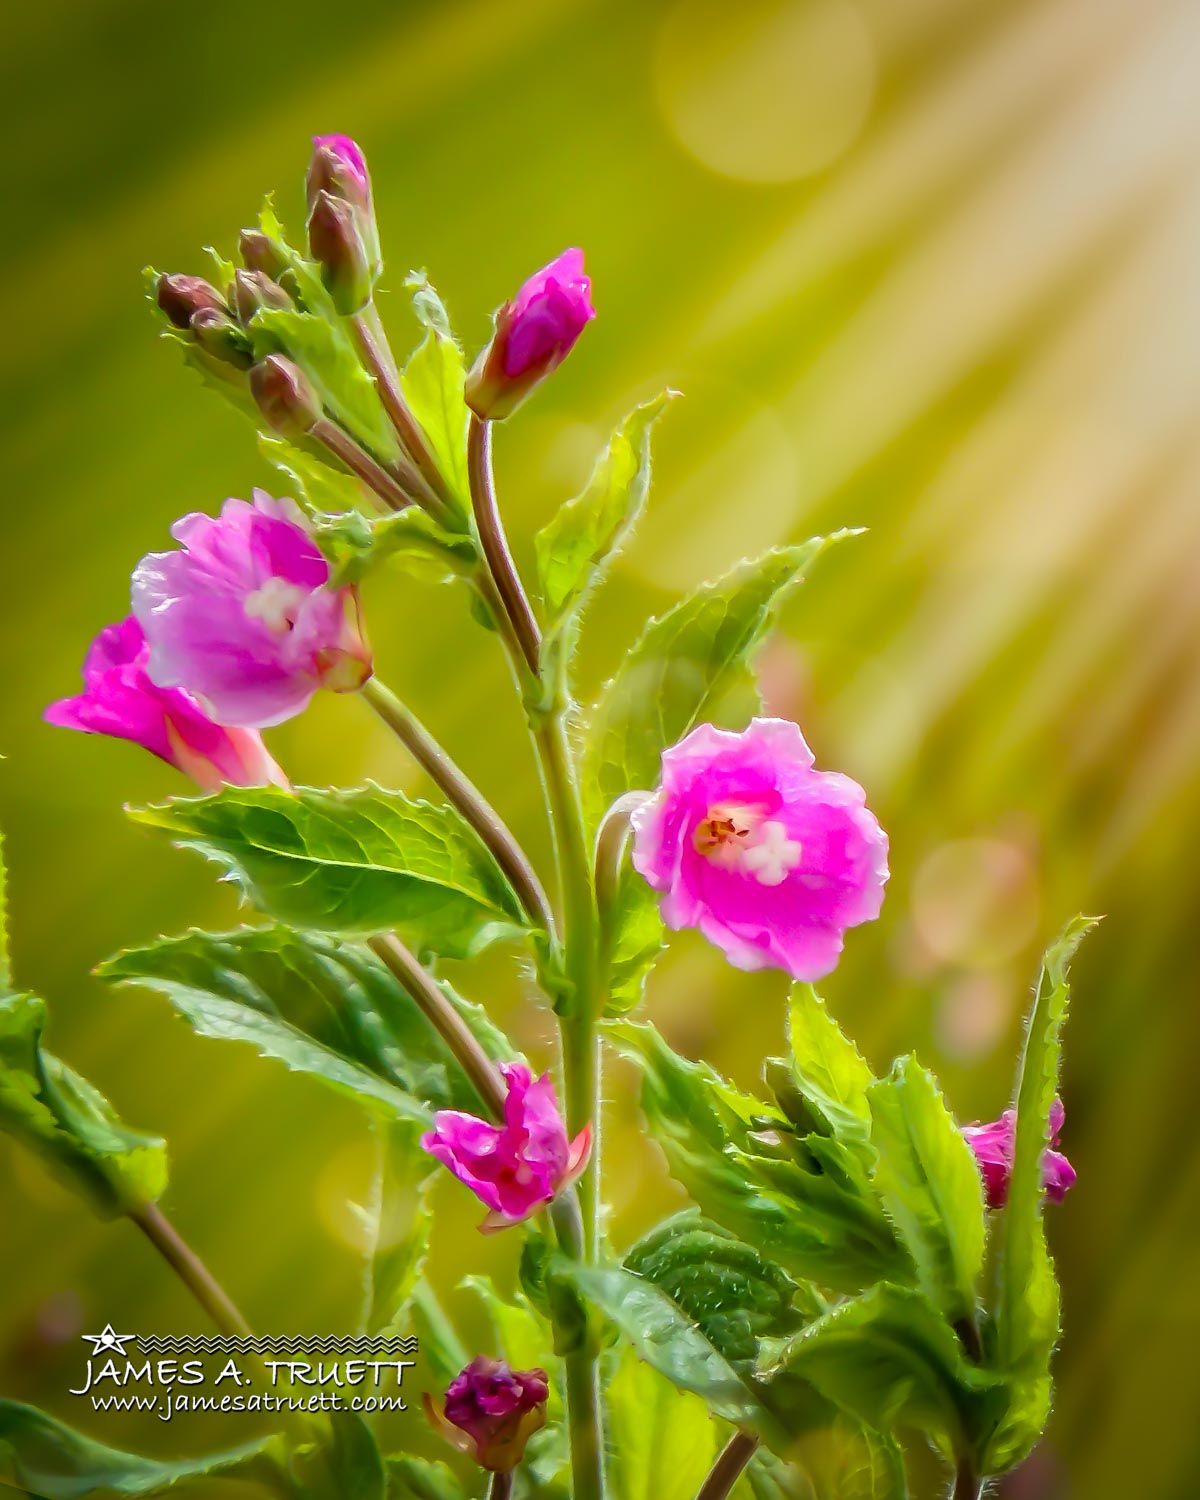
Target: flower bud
(259, 253)
(255, 289)
(217, 333)
(285, 395)
(491, 1412)
(534, 334)
(335, 243)
(339, 168)
(182, 296)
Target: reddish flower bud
(534, 334)
(285, 395)
(993, 1146)
(491, 1412)
(180, 297)
(217, 333)
(259, 253)
(255, 289)
(339, 168)
(336, 244)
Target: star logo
(108, 1341)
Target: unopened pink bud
(491, 1411)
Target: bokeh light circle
(768, 91)
(976, 901)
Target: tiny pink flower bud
(491, 1411)
(516, 1168)
(220, 336)
(259, 253)
(120, 700)
(181, 296)
(534, 334)
(242, 615)
(254, 289)
(770, 859)
(993, 1145)
(335, 243)
(285, 395)
(338, 166)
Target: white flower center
(736, 836)
(276, 604)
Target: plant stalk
(445, 1020)
(727, 1470)
(495, 544)
(190, 1269)
(967, 1483)
(501, 1486)
(390, 488)
(465, 797)
(376, 355)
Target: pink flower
(120, 700)
(770, 859)
(514, 1168)
(993, 1147)
(348, 155)
(492, 1411)
(534, 334)
(242, 616)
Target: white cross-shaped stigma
(772, 855)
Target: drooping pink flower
(492, 1411)
(515, 1168)
(769, 858)
(534, 334)
(993, 1146)
(119, 699)
(243, 617)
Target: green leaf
(1027, 1305)
(43, 1457)
(661, 1441)
(685, 663)
(351, 862)
(930, 1186)
(635, 942)
(740, 1162)
(397, 1221)
(828, 1072)
(52, 1110)
(432, 383)
(418, 1479)
(523, 1337)
(734, 1296)
(352, 1464)
(889, 1359)
(442, 1351)
(666, 1338)
(354, 544)
(322, 1007)
(575, 548)
(319, 487)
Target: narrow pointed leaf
(433, 382)
(661, 1440)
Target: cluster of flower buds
(342, 235)
(491, 1411)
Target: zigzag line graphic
(275, 1344)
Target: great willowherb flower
(534, 334)
(993, 1145)
(491, 1411)
(769, 858)
(243, 616)
(120, 700)
(515, 1168)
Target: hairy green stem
(495, 544)
(190, 1269)
(967, 1483)
(376, 355)
(727, 1470)
(465, 797)
(445, 1020)
(397, 488)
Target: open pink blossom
(492, 1411)
(119, 699)
(993, 1147)
(243, 617)
(769, 858)
(515, 1168)
(534, 334)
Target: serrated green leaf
(828, 1070)
(575, 548)
(398, 1223)
(681, 668)
(53, 1111)
(930, 1186)
(354, 544)
(45, 1458)
(891, 1360)
(318, 486)
(351, 862)
(661, 1440)
(433, 382)
(1027, 1304)
(418, 1479)
(725, 1286)
(322, 1007)
(737, 1158)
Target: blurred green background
(926, 266)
